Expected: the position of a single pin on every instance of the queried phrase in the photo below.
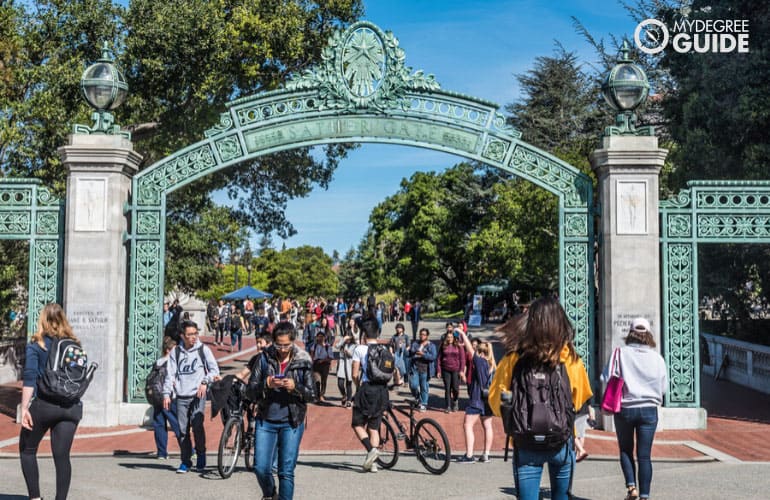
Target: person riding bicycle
(284, 389)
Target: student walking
(237, 326)
(191, 368)
(38, 415)
(371, 396)
(398, 346)
(644, 385)
(345, 369)
(322, 354)
(543, 354)
(285, 389)
(162, 418)
(422, 357)
(451, 368)
(478, 405)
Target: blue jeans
(418, 383)
(643, 421)
(160, 418)
(236, 335)
(286, 439)
(528, 470)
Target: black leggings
(62, 422)
(451, 386)
(346, 388)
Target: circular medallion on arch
(364, 62)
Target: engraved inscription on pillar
(91, 205)
(631, 206)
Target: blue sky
(472, 47)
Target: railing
(737, 361)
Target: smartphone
(279, 375)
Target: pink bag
(613, 395)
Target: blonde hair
(485, 351)
(53, 323)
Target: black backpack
(380, 364)
(67, 373)
(541, 415)
(153, 386)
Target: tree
(298, 272)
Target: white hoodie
(186, 374)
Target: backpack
(541, 415)
(67, 373)
(153, 386)
(380, 364)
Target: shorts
(475, 410)
(369, 403)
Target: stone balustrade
(740, 362)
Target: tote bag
(613, 395)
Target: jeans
(643, 421)
(528, 470)
(238, 334)
(160, 418)
(189, 413)
(418, 383)
(451, 386)
(286, 439)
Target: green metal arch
(334, 103)
(705, 212)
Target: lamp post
(625, 88)
(104, 88)
(235, 261)
(248, 271)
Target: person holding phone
(285, 383)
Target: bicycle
(425, 437)
(236, 436)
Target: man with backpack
(373, 366)
(191, 368)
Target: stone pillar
(100, 169)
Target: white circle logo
(651, 36)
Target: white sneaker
(371, 456)
(374, 468)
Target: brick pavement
(740, 430)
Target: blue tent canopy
(247, 292)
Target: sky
(472, 47)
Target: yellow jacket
(576, 371)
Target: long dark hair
(547, 332)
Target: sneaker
(374, 468)
(456, 406)
(465, 459)
(161, 457)
(423, 409)
(447, 409)
(484, 459)
(371, 456)
(182, 469)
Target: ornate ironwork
(360, 92)
(29, 211)
(705, 212)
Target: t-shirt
(361, 355)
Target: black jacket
(299, 369)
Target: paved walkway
(738, 425)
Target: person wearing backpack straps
(483, 361)
(161, 418)
(540, 352)
(39, 415)
(191, 368)
(371, 397)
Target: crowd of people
(284, 376)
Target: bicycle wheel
(248, 450)
(229, 447)
(388, 446)
(432, 446)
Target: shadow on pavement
(544, 493)
(12, 497)
(349, 466)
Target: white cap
(641, 325)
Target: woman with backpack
(398, 346)
(540, 358)
(644, 384)
(478, 405)
(237, 326)
(161, 417)
(39, 413)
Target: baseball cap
(641, 325)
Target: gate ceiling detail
(29, 211)
(360, 92)
(705, 212)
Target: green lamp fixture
(625, 89)
(104, 89)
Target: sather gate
(360, 92)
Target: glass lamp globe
(104, 86)
(626, 85)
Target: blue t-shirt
(34, 365)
